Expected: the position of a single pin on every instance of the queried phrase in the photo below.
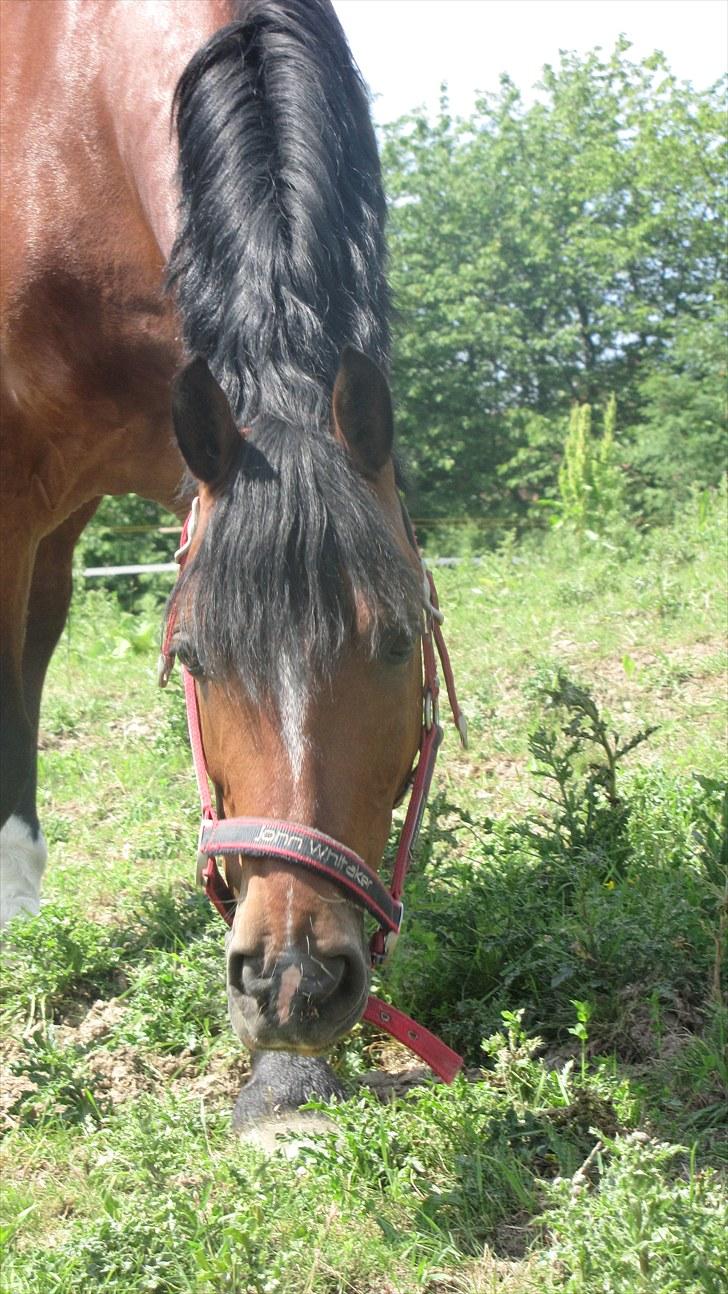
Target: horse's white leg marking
(22, 863)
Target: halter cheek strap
(294, 843)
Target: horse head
(298, 616)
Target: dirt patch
(220, 1083)
(98, 1022)
(644, 1035)
(135, 729)
(56, 740)
(122, 1074)
(683, 673)
(126, 1073)
(113, 1074)
(15, 1088)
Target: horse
(195, 306)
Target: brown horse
(254, 239)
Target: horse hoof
(268, 1104)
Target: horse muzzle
(296, 1001)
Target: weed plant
(641, 1227)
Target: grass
(573, 946)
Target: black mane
(279, 263)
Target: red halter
(295, 843)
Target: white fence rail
(169, 568)
(155, 568)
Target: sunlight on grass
(565, 930)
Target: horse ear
(362, 411)
(203, 424)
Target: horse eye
(187, 654)
(396, 647)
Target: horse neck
(138, 76)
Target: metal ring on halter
(383, 944)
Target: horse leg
(268, 1106)
(23, 848)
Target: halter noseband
(291, 842)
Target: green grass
(578, 958)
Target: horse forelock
(278, 264)
(295, 544)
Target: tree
(542, 256)
(682, 441)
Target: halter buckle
(383, 945)
(432, 612)
(202, 857)
(430, 710)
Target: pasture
(573, 947)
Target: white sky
(405, 48)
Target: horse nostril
(321, 977)
(252, 981)
(292, 978)
(302, 1000)
(245, 976)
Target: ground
(578, 962)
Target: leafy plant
(56, 1085)
(581, 757)
(584, 1012)
(60, 954)
(646, 1229)
(589, 485)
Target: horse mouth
(302, 1027)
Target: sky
(406, 48)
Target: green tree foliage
(553, 254)
(682, 440)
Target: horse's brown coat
(89, 341)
